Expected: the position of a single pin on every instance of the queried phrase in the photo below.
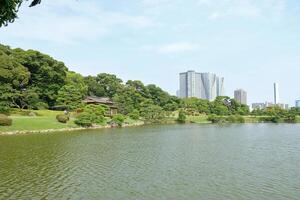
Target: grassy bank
(45, 120)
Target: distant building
(297, 104)
(286, 106)
(201, 85)
(259, 106)
(240, 96)
(276, 93)
(269, 104)
(112, 107)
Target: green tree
(135, 114)
(92, 114)
(78, 81)
(128, 100)
(151, 112)
(118, 119)
(9, 9)
(103, 85)
(69, 96)
(181, 116)
(47, 76)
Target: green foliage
(9, 9)
(118, 119)
(4, 108)
(181, 117)
(78, 81)
(290, 118)
(151, 112)
(84, 120)
(41, 106)
(5, 120)
(135, 115)
(69, 96)
(62, 118)
(29, 77)
(226, 119)
(92, 114)
(272, 119)
(235, 119)
(162, 98)
(216, 119)
(103, 85)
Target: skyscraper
(240, 96)
(201, 85)
(297, 104)
(276, 93)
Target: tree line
(30, 79)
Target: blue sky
(252, 43)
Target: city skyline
(240, 96)
(150, 40)
(201, 85)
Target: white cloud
(71, 21)
(171, 48)
(219, 9)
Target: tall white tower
(276, 93)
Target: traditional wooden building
(113, 109)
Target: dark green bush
(5, 120)
(235, 119)
(216, 119)
(84, 120)
(41, 106)
(4, 108)
(291, 118)
(181, 117)
(272, 119)
(118, 119)
(134, 115)
(62, 118)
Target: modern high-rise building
(276, 93)
(259, 106)
(297, 104)
(240, 96)
(201, 85)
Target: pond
(250, 161)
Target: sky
(251, 43)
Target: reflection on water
(259, 161)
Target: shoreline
(140, 123)
(23, 132)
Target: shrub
(181, 117)
(216, 119)
(235, 119)
(5, 121)
(118, 119)
(84, 120)
(291, 118)
(134, 115)
(62, 118)
(41, 106)
(273, 119)
(4, 108)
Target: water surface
(257, 161)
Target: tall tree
(47, 75)
(10, 8)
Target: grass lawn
(45, 119)
(298, 119)
(201, 119)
